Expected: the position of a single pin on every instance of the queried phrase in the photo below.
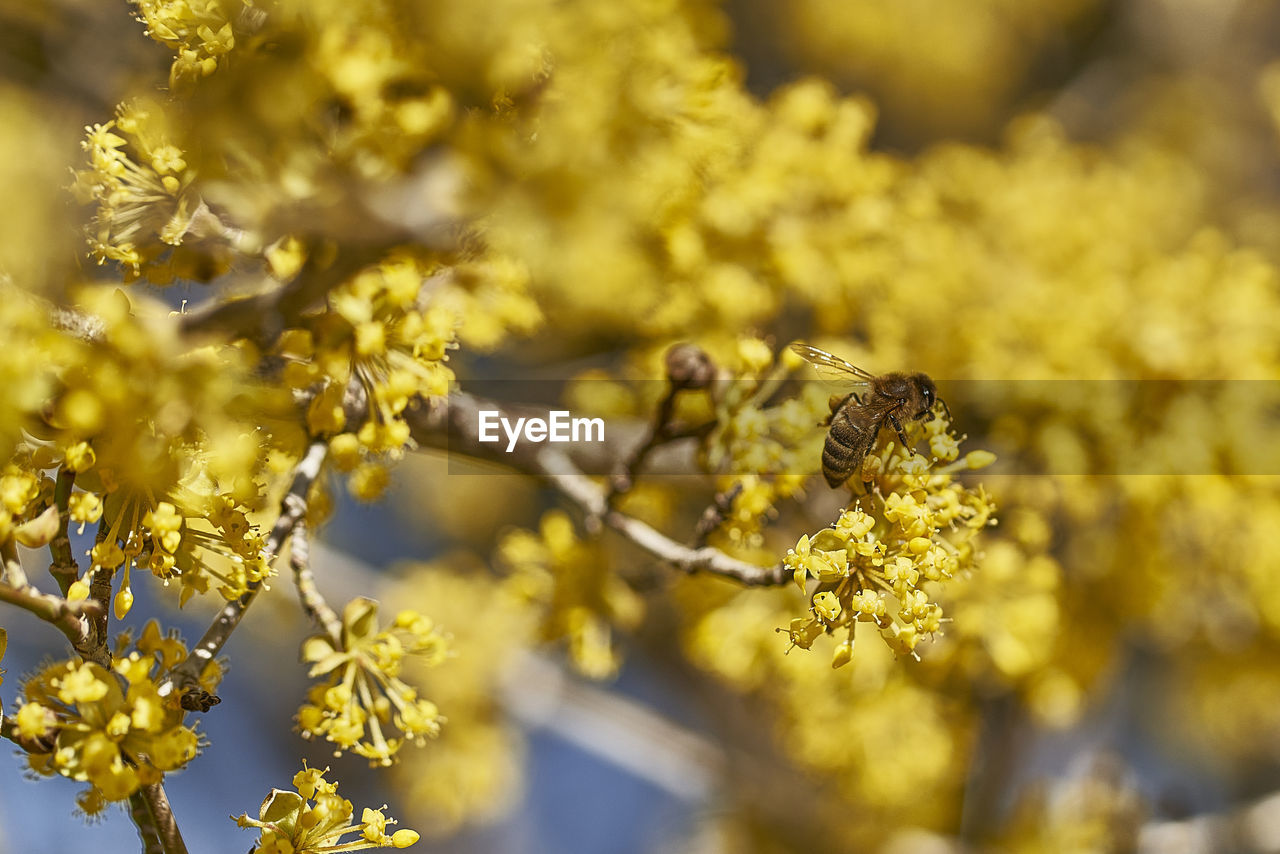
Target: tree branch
(453, 424)
(688, 368)
(165, 826)
(659, 431)
(9, 730)
(313, 601)
(148, 831)
(293, 507)
(64, 568)
(260, 318)
(715, 514)
(73, 619)
(558, 470)
(100, 591)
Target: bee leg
(870, 491)
(867, 486)
(902, 434)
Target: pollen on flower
(827, 606)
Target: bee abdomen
(846, 446)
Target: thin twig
(715, 514)
(148, 832)
(689, 368)
(659, 431)
(64, 568)
(455, 425)
(166, 826)
(293, 507)
(100, 590)
(313, 602)
(259, 318)
(559, 471)
(70, 618)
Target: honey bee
(856, 419)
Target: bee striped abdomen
(847, 445)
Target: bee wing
(829, 366)
(877, 407)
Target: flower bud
(689, 367)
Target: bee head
(928, 395)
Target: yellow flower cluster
(23, 494)
(150, 436)
(878, 734)
(882, 564)
(111, 728)
(1006, 616)
(568, 580)
(368, 94)
(362, 698)
(378, 338)
(894, 560)
(768, 451)
(211, 541)
(143, 400)
(1158, 545)
(148, 217)
(602, 164)
(314, 819)
(366, 103)
(609, 216)
(199, 32)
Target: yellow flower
(34, 720)
(827, 606)
(80, 457)
(116, 739)
(315, 820)
(363, 696)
